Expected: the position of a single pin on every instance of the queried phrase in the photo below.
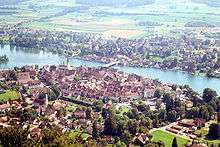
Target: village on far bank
(193, 51)
(106, 107)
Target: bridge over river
(112, 64)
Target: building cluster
(34, 103)
(186, 127)
(73, 87)
(98, 83)
(33, 108)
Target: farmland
(120, 22)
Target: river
(20, 57)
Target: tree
(55, 91)
(94, 130)
(147, 122)
(214, 131)
(174, 87)
(42, 95)
(177, 102)
(104, 113)
(182, 112)
(162, 114)
(122, 124)
(133, 113)
(51, 95)
(49, 136)
(172, 116)
(37, 67)
(143, 107)
(12, 75)
(133, 127)
(98, 105)
(126, 137)
(204, 113)
(119, 143)
(158, 105)
(161, 143)
(209, 94)
(156, 122)
(193, 113)
(218, 111)
(169, 101)
(210, 110)
(174, 143)
(14, 136)
(110, 125)
(88, 113)
(158, 93)
(61, 113)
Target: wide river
(21, 57)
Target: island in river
(3, 59)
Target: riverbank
(184, 54)
(19, 58)
(203, 74)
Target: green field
(117, 21)
(167, 138)
(9, 95)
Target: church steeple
(46, 101)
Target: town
(110, 73)
(102, 106)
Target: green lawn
(74, 133)
(71, 109)
(167, 138)
(156, 58)
(122, 109)
(9, 94)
